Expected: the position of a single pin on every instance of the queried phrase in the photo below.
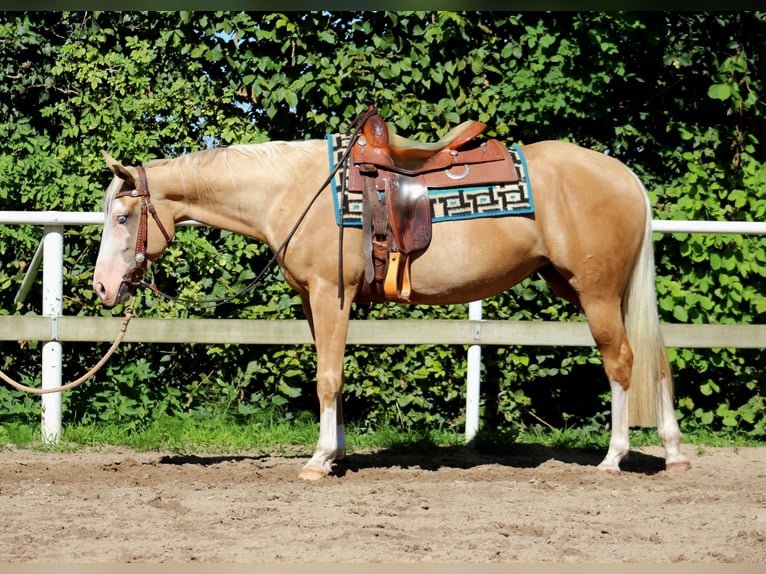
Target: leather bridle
(134, 277)
(135, 274)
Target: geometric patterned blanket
(447, 204)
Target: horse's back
(565, 171)
(589, 218)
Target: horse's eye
(121, 219)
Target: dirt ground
(449, 505)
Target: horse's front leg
(332, 439)
(329, 326)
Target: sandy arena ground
(449, 505)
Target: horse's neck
(240, 188)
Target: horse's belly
(471, 260)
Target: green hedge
(677, 96)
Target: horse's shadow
(433, 458)
(207, 460)
(467, 457)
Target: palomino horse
(590, 237)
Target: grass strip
(277, 435)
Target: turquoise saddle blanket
(447, 204)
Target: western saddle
(394, 174)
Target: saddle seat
(412, 155)
(454, 139)
(408, 156)
(394, 174)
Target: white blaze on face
(115, 254)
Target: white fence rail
(54, 328)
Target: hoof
(607, 470)
(678, 466)
(311, 474)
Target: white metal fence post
(473, 382)
(53, 292)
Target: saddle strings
(358, 124)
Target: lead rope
(129, 312)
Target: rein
(135, 275)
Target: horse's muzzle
(125, 291)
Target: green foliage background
(677, 96)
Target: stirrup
(397, 284)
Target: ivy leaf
(681, 314)
(719, 92)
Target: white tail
(640, 315)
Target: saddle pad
(446, 204)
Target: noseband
(136, 273)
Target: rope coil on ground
(129, 312)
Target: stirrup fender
(394, 174)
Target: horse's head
(131, 239)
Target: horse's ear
(117, 168)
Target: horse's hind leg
(608, 330)
(668, 430)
